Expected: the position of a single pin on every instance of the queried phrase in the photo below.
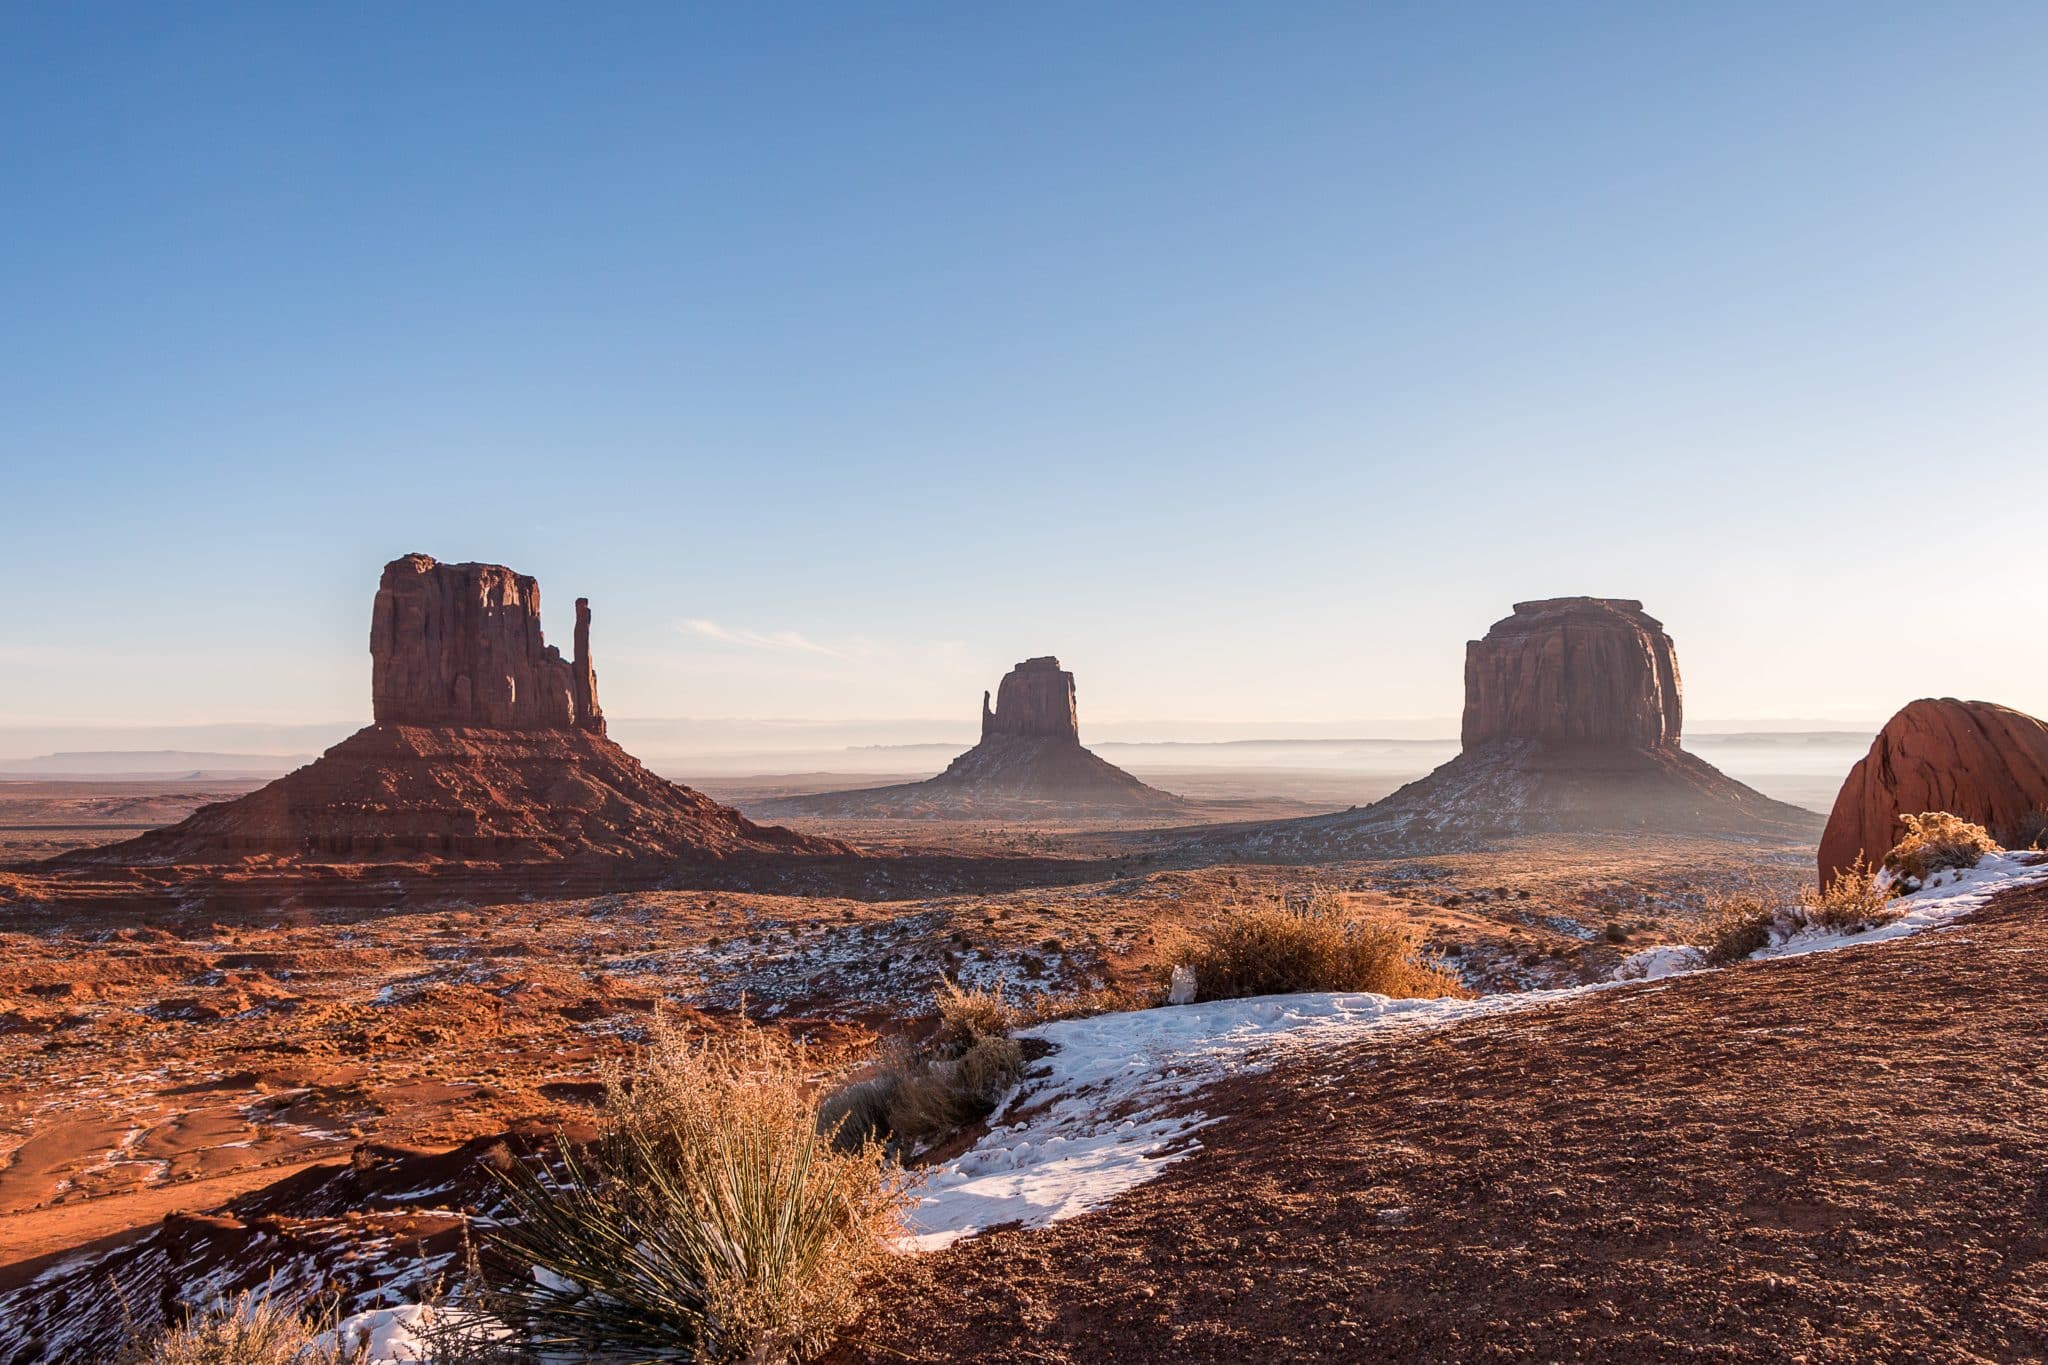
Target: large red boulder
(1985, 763)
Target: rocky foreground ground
(1835, 1157)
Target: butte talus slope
(1029, 762)
(488, 748)
(1573, 711)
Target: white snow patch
(1946, 897)
(394, 1336)
(1112, 1104)
(1106, 1110)
(1654, 964)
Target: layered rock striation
(488, 750)
(1580, 671)
(460, 644)
(1030, 761)
(1983, 762)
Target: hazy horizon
(1252, 361)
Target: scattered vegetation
(1272, 948)
(1737, 924)
(1937, 841)
(252, 1329)
(914, 1095)
(713, 1216)
(1853, 901)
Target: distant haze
(1249, 358)
(1804, 766)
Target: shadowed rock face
(1985, 763)
(1029, 761)
(1035, 699)
(1593, 671)
(460, 644)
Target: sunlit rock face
(1985, 763)
(1574, 671)
(460, 644)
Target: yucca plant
(714, 1220)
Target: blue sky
(1251, 358)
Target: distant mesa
(1573, 712)
(1029, 762)
(488, 750)
(1983, 762)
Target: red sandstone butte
(488, 751)
(1030, 761)
(1983, 762)
(1577, 671)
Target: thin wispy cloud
(788, 641)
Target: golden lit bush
(1852, 902)
(1270, 948)
(249, 1330)
(1737, 924)
(712, 1218)
(1937, 841)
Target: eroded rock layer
(1574, 670)
(1986, 763)
(1034, 699)
(460, 644)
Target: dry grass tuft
(716, 1218)
(1738, 923)
(1937, 841)
(913, 1096)
(251, 1330)
(1852, 902)
(1271, 948)
(969, 1013)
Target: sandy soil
(137, 1063)
(40, 819)
(1835, 1157)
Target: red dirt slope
(1838, 1157)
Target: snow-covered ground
(1116, 1101)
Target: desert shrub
(913, 1095)
(252, 1329)
(713, 1216)
(1852, 902)
(1270, 948)
(1937, 841)
(967, 1013)
(1737, 924)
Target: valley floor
(1832, 1157)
